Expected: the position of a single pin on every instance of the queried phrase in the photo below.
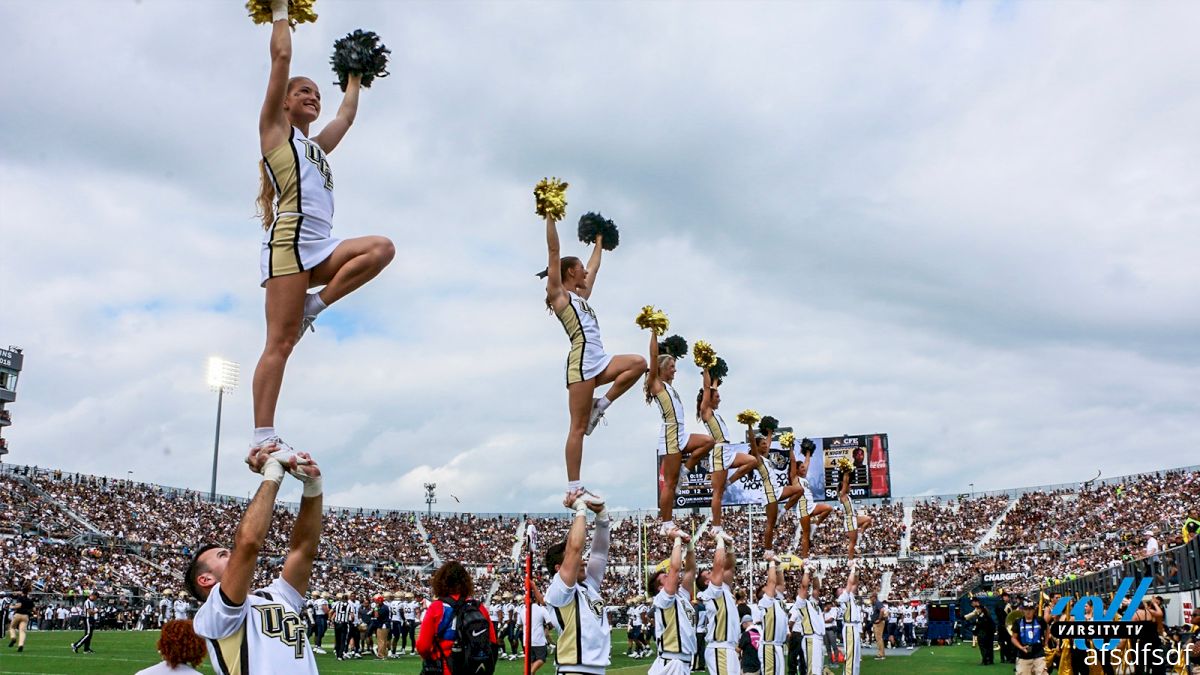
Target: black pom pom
(544, 273)
(807, 447)
(592, 224)
(359, 53)
(720, 370)
(767, 425)
(674, 346)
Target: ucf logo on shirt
(314, 154)
(283, 625)
(587, 308)
(597, 607)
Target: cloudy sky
(971, 226)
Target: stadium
(736, 337)
(68, 533)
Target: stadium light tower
(430, 498)
(222, 378)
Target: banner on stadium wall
(871, 478)
(695, 488)
(990, 578)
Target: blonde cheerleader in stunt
(674, 443)
(569, 286)
(299, 251)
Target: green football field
(127, 652)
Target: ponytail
(266, 197)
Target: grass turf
(127, 652)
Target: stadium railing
(1175, 569)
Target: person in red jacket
(453, 581)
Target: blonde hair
(662, 361)
(266, 196)
(266, 190)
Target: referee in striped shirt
(89, 619)
(341, 626)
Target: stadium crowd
(956, 524)
(143, 534)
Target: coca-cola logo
(879, 464)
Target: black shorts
(537, 654)
(635, 632)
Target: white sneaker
(284, 454)
(719, 532)
(306, 325)
(592, 498)
(318, 650)
(594, 418)
(671, 530)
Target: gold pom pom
(703, 354)
(550, 197)
(299, 11)
(748, 417)
(654, 319)
(845, 463)
(788, 440)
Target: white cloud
(969, 226)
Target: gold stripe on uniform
(282, 165)
(714, 430)
(283, 168)
(570, 322)
(722, 666)
(851, 522)
(670, 640)
(803, 506)
(768, 484)
(569, 638)
(722, 632)
(768, 660)
(848, 637)
(670, 421)
(229, 651)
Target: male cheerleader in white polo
(674, 616)
(724, 628)
(574, 594)
(260, 631)
(852, 626)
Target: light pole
(972, 489)
(222, 377)
(430, 498)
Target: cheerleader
(799, 496)
(725, 455)
(299, 251)
(674, 442)
(853, 522)
(760, 446)
(569, 285)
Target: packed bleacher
(67, 532)
(953, 524)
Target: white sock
(263, 433)
(668, 525)
(602, 403)
(313, 305)
(573, 485)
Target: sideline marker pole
(528, 603)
